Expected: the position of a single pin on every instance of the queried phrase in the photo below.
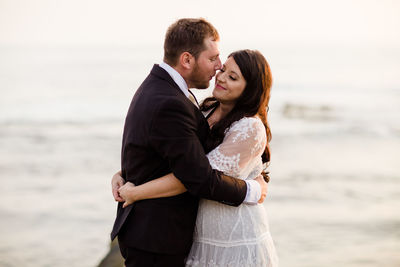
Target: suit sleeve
(173, 135)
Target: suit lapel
(163, 74)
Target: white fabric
(253, 191)
(253, 188)
(235, 236)
(178, 79)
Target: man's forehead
(211, 46)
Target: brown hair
(253, 101)
(187, 35)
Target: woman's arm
(165, 186)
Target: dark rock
(113, 258)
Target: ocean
(334, 194)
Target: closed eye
(213, 59)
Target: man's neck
(176, 76)
(183, 73)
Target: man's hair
(187, 35)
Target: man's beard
(196, 79)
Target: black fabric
(164, 132)
(140, 258)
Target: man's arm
(243, 144)
(173, 135)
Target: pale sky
(246, 22)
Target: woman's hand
(116, 182)
(166, 186)
(127, 193)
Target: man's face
(206, 65)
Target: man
(164, 132)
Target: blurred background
(68, 71)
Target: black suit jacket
(164, 132)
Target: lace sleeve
(244, 141)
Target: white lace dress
(235, 236)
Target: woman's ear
(186, 60)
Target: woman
(237, 115)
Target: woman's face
(229, 83)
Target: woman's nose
(220, 77)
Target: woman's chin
(218, 98)
(217, 94)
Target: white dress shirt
(253, 187)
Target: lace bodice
(239, 155)
(235, 236)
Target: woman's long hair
(253, 101)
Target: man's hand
(264, 187)
(116, 182)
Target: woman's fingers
(116, 182)
(126, 204)
(125, 192)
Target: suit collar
(177, 77)
(163, 74)
(168, 75)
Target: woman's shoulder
(247, 123)
(247, 127)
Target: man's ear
(186, 60)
